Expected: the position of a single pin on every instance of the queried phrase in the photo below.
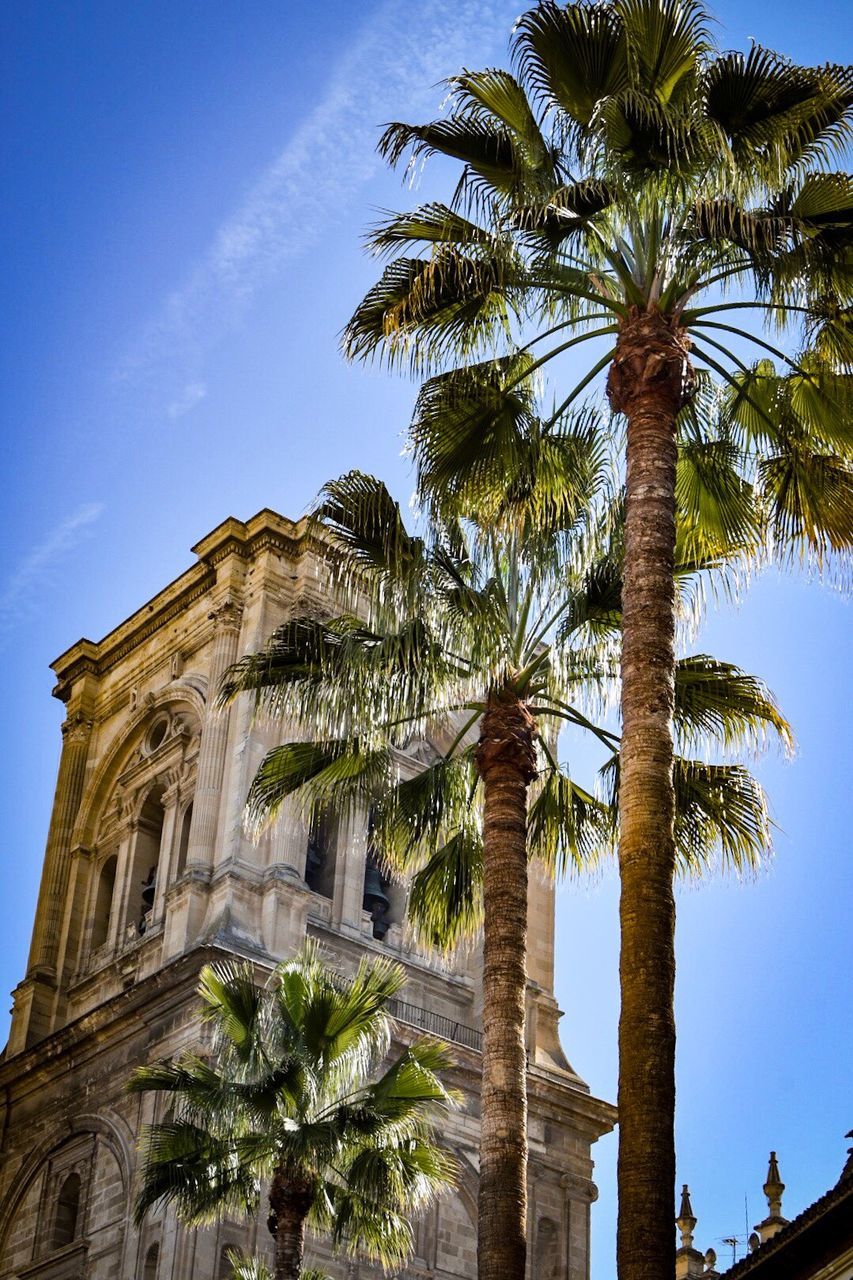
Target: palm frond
(717, 702)
(446, 895)
(432, 223)
(422, 309)
(571, 56)
(720, 811)
(568, 829)
(324, 773)
(769, 109)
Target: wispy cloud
(188, 398)
(16, 595)
(392, 70)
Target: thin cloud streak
(22, 585)
(392, 70)
(190, 396)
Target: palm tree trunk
(289, 1205)
(649, 381)
(506, 760)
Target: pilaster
(214, 738)
(34, 1001)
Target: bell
(375, 896)
(148, 887)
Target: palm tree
(284, 1095)
(634, 188)
(252, 1268)
(500, 635)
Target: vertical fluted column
(168, 842)
(214, 740)
(76, 733)
(349, 870)
(290, 839)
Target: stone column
(214, 740)
(168, 852)
(76, 732)
(289, 840)
(349, 871)
(35, 996)
(120, 914)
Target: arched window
(184, 842)
(146, 855)
(152, 1258)
(226, 1267)
(547, 1250)
(67, 1211)
(104, 903)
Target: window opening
(184, 842)
(375, 899)
(156, 735)
(67, 1210)
(320, 858)
(152, 1258)
(104, 902)
(383, 899)
(146, 855)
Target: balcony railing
(436, 1024)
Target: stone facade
(149, 874)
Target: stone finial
(710, 1264)
(773, 1188)
(688, 1261)
(685, 1221)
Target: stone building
(148, 874)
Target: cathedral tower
(148, 875)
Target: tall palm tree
(285, 1095)
(632, 187)
(502, 635)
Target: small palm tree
(284, 1096)
(634, 188)
(250, 1268)
(504, 636)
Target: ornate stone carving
(77, 727)
(228, 616)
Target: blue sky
(184, 187)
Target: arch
(467, 1183)
(118, 1138)
(177, 697)
(67, 1212)
(547, 1248)
(152, 1261)
(225, 1270)
(104, 901)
